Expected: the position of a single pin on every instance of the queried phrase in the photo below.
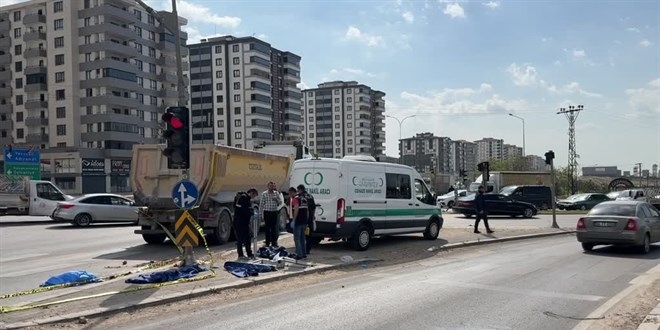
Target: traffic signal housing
(484, 168)
(177, 137)
(463, 175)
(549, 156)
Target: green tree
(511, 164)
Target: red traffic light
(174, 122)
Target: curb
(652, 320)
(175, 297)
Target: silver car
(633, 223)
(84, 210)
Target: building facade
(464, 157)
(489, 148)
(84, 81)
(606, 171)
(244, 92)
(428, 153)
(536, 163)
(344, 118)
(510, 151)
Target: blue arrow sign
(185, 194)
(22, 156)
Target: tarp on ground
(72, 277)
(167, 275)
(244, 269)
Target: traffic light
(549, 156)
(463, 175)
(177, 135)
(484, 168)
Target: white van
(357, 200)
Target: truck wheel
(361, 239)
(222, 232)
(153, 238)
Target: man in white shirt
(268, 206)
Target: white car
(447, 200)
(90, 208)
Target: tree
(511, 164)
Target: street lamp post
(400, 121)
(523, 131)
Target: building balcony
(36, 138)
(5, 75)
(108, 63)
(4, 25)
(5, 91)
(6, 108)
(35, 104)
(34, 18)
(185, 66)
(108, 117)
(35, 52)
(109, 82)
(6, 125)
(259, 76)
(31, 88)
(121, 3)
(37, 121)
(33, 69)
(167, 77)
(294, 66)
(34, 36)
(112, 136)
(166, 46)
(110, 100)
(168, 93)
(110, 12)
(257, 69)
(292, 75)
(109, 29)
(5, 59)
(166, 61)
(110, 48)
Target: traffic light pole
(549, 160)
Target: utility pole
(549, 160)
(572, 114)
(400, 121)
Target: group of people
(301, 211)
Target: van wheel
(432, 230)
(222, 232)
(361, 239)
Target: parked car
(613, 195)
(90, 208)
(447, 200)
(632, 223)
(496, 204)
(581, 201)
(540, 196)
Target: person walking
(268, 205)
(300, 222)
(242, 221)
(482, 212)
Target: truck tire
(153, 238)
(222, 233)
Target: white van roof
(350, 161)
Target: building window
(337, 125)
(59, 77)
(19, 133)
(218, 49)
(349, 116)
(237, 73)
(237, 110)
(311, 135)
(349, 91)
(151, 20)
(237, 98)
(59, 42)
(17, 16)
(220, 111)
(218, 86)
(18, 49)
(337, 134)
(59, 59)
(17, 32)
(336, 109)
(311, 111)
(349, 133)
(138, 14)
(238, 135)
(350, 149)
(58, 6)
(218, 74)
(221, 136)
(59, 94)
(221, 123)
(19, 117)
(19, 99)
(311, 127)
(218, 61)
(61, 130)
(349, 108)
(19, 83)
(18, 66)
(349, 99)
(219, 98)
(336, 117)
(58, 24)
(235, 48)
(336, 100)
(338, 151)
(236, 60)
(237, 123)
(349, 141)
(237, 85)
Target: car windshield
(623, 210)
(508, 190)
(578, 197)
(614, 194)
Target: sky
(462, 66)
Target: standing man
(482, 213)
(300, 222)
(242, 220)
(270, 201)
(311, 223)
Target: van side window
(46, 191)
(398, 186)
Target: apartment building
(427, 153)
(344, 118)
(84, 81)
(244, 92)
(489, 148)
(536, 163)
(510, 151)
(464, 157)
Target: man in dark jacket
(311, 213)
(482, 212)
(242, 218)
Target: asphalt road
(539, 284)
(31, 252)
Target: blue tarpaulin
(270, 252)
(167, 275)
(72, 277)
(243, 269)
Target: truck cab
(30, 197)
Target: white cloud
(194, 36)
(408, 16)
(353, 33)
(523, 75)
(645, 43)
(303, 85)
(645, 100)
(196, 13)
(579, 53)
(633, 29)
(351, 71)
(454, 10)
(11, 2)
(572, 88)
(492, 4)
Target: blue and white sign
(22, 156)
(185, 194)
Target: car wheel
(528, 213)
(587, 246)
(646, 244)
(583, 207)
(361, 239)
(432, 230)
(82, 220)
(450, 204)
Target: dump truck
(22, 196)
(219, 172)
(501, 179)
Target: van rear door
(322, 180)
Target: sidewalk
(101, 298)
(652, 321)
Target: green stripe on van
(351, 212)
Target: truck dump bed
(218, 171)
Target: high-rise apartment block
(464, 156)
(489, 148)
(428, 153)
(344, 118)
(244, 92)
(510, 151)
(84, 81)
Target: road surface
(533, 284)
